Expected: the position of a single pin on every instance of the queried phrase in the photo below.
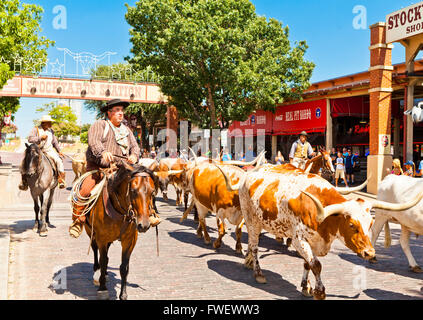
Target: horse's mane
(124, 173)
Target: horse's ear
(127, 166)
(27, 145)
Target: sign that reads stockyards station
(404, 23)
(82, 89)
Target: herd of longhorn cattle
(291, 203)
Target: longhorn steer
(306, 208)
(399, 189)
(208, 189)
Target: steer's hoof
(261, 279)
(416, 269)
(217, 244)
(103, 295)
(319, 295)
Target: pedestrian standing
(349, 166)
(279, 159)
(409, 169)
(396, 167)
(340, 169)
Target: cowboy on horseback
(300, 151)
(109, 140)
(44, 137)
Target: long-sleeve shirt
(35, 137)
(97, 145)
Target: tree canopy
(21, 46)
(217, 60)
(64, 119)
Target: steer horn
(323, 213)
(378, 204)
(170, 172)
(230, 187)
(195, 156)
(346, 191)
(242, 163)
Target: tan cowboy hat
(46, 118)
(303, 133)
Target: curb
(4, 262)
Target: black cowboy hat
(113, 103)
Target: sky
(336, 32)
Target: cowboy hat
(303, 133)
(113, 103)
(46, 118)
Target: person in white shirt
(340, 169)
(44, 137)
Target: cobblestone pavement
(186, 268)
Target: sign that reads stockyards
(404, 23)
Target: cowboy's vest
(301, 151)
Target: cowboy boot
(61, 180)
(77, 226)
(24, 184)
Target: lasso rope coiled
(86, 202)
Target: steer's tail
(388, 238)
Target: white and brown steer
(306, 208)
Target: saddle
(109, 209)
(52, 163)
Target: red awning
(350, 107)
(307, 116)
(259, 123)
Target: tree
(147, 114)
(64, 119)
(217, 60)
(20, 44)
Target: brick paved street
(189, 269)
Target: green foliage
(84, 133)
(64, 119)
(20, 40)
(217, 59)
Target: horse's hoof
(103, 295)
(261, 279)
(416, 269)
(207, 241)
(43, 234)
(123, 296)
(319, 295)
(35, 228)
(373, 260)
(307, 292)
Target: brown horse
(321, 161)
(123, 210)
